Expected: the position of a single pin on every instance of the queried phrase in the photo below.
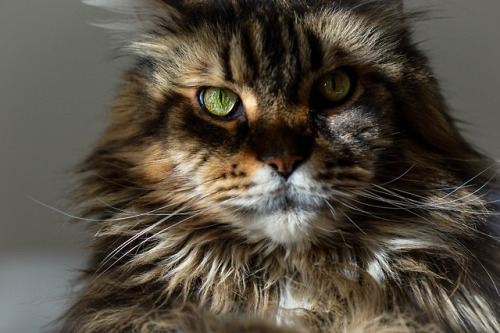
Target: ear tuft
(134, 19)
(114, 5)
(128, 7)
(144, 12)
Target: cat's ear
(137, 15)
(137, 6)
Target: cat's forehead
(274, 47)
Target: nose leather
(284, 165)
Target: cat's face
(272, 117)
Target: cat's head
(271, 117)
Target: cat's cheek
(227, 175)
(354, 137)
(154, 165)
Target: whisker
(151, 212)
(364, 212)
(138, 235)
(467, 182)
(65, 213)
(142, 232)
(154, 235)
(89, 219)
(479, 188)
(409, 205)
(400, 176)
(354, 223)
(332, 210)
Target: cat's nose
(284, 165)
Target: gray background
(56, 80)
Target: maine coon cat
(283, 166)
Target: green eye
(336, 86)
(218, 101)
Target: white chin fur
(284, 227)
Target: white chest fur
(289, 303)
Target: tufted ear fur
(137, 15)
(135, 19)
(128, 6)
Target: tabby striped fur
(385, 227)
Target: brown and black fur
(406, 242)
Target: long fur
(388, 225)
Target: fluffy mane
(383, 224)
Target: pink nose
(284, 165)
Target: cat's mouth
(285, 216)
(287, 198)
(288, 211)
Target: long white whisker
(409, 204)
(65, 213)
(142, 232)
(364, 212)
(467, 182)
(330, 207)
(138, 235)
(155, 234)
(477, 190)
(354, 223)
(148, 213)
(88, 219)
(400, 176)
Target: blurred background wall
(56, 82)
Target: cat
(283, 166)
